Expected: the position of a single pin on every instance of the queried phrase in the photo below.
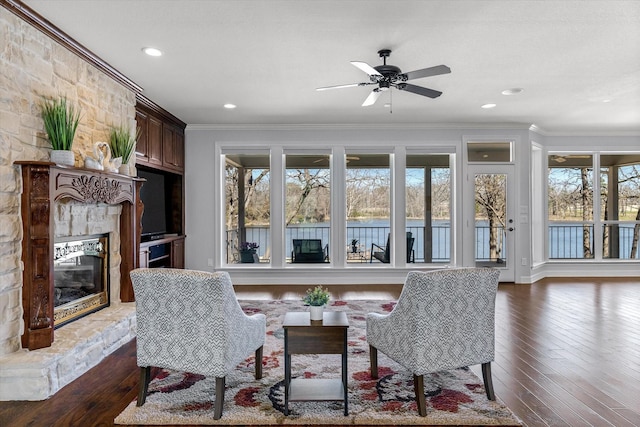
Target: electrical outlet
(524, 261)
(210, 262)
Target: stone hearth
(79, 346)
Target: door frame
(508, 269)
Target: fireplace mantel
(43, 184)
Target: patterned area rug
(453, 397)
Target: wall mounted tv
(153, 195)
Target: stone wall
(33, 66)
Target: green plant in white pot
(123, 144)
(316, 298)
(60, 122)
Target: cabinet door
(155, 141)
(173, 148)
(168, 136)
(142, 145)
(179, 150)
(177, 253)
(143, 257)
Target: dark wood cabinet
(161, 139)
(155, 142)
(177, 253)
(173, 148)
(149, 144)
(160, 150)
(142, 145)
(162, 253)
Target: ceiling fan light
(488, 106)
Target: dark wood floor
(568, 354)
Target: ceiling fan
(348, 159)
(561, 158)
(388, 76)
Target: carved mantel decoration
(43, 184)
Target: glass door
(490, 224)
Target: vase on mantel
(124, 169)
(63, 157)
(316, 311)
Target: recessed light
(387, 105)
(230, 106)
(152, 51)
(487, 106)
(606, 100)
(512, 91)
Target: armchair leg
(373, 360)
(418, 386)
(488, 382)
(217, 410)
(259, 363)
(145, 377)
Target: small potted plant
(247, 252)
(354, 245)
(60, 122)
(123, 143)
(316, 298)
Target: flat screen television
(154, 216)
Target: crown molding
(356, 126)
(42, 24)
(593, 132)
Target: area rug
(453, 397)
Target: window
(368, 206)
(307, 208)
(620, 205)
(247, 212)
(428, 208)
(490, 151)
(570, 193)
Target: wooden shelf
(315, 389)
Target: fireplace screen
(81, 280)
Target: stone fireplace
(63, 202)
(80, 234)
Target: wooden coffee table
(304, 336)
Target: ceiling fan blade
(426, 72)
(342, 86)
(372, 98)
(366, 68)
(419, 90)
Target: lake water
(565, 241)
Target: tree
(307, 185)
(491, 200)
(586, 195)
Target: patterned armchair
(191, 321)
(443, 320)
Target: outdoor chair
(191, 321)
(444, 319)
(309, 251)
(382, 254)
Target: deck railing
(565, 241)
(364, 237)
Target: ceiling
(577, 61)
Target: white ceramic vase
(316, 312)
(63, 157)
(124, 169)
